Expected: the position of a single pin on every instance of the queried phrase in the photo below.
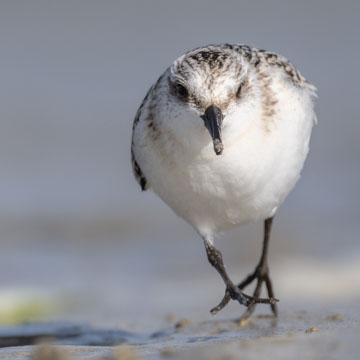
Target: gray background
(72, 218)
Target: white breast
(247, 182)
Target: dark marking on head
(209, 58)
(189, 99)
(257, 62)
(253, 55)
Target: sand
(317, 334)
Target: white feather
(262, 158)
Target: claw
(225, 300)
(234, 292)
(243, 299)
(261, 278)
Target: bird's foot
(233, 292)
(261, 273)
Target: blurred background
(79, 240)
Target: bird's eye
(238, 92)
(181, 91)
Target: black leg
(232, 291)
(261, 273)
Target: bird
(221, 137)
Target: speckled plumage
(264, 125)
(210, 61)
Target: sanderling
(221, 137)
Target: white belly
(246, 183)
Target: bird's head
(209, 97)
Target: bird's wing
(138, 174)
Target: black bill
(213, 118)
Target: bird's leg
(261, 273)
(232, 291)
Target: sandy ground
(91, 296)
(111, 300)
(320, 334)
